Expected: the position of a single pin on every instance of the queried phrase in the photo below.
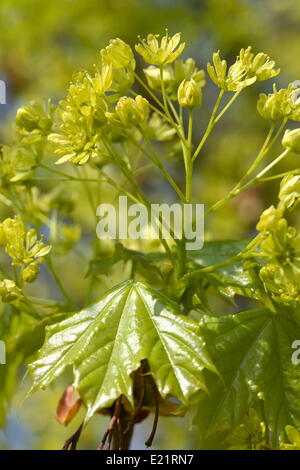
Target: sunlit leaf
(107, 341)
(252, 351)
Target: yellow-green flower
(259, 65)
(162, 51)
(247, 69)
(103, 78)
(233, 78)
(81, 116)
(21, 245)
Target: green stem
(258, 159)
(86, 189)
(143, 199)
(141, 82)
(236, 191)
(188, 163)
(59, 283)
(227, 106)
(177, 127)
(163, 90)
(210, 125)
(188, 160)
(157, 162)
(281, 175)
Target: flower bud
(291, 140)
(154, 79)
(27, 118)
(269, 220)
(132, 112)
(189, 94)
(275, 106)
(118, 54)
(9, 291)
(68, 405)
(281, 283)
(289, 194)
(30, 273)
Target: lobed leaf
(231, 279)
(252, 351)
(106, 342)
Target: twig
(108, 435)
(149, 441)
(71, 443)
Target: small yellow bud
(289, 194)
(118, 54)
(153, 77)
(189, 94)
(27, 118)
(132, 112)
(9, 291)
(30, 273)
(269, 219)
(291, 140)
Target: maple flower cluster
(25, 250)
(280, 245)
(102, 108)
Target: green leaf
(231, 279)
(107, 341)
(252, 350)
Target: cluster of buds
(277, 281)
(279, 104)
(119, 57)
(280, 247)
(33, 125)
(23, 247)
(81, 114)
(97, 108)
(89, 114)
